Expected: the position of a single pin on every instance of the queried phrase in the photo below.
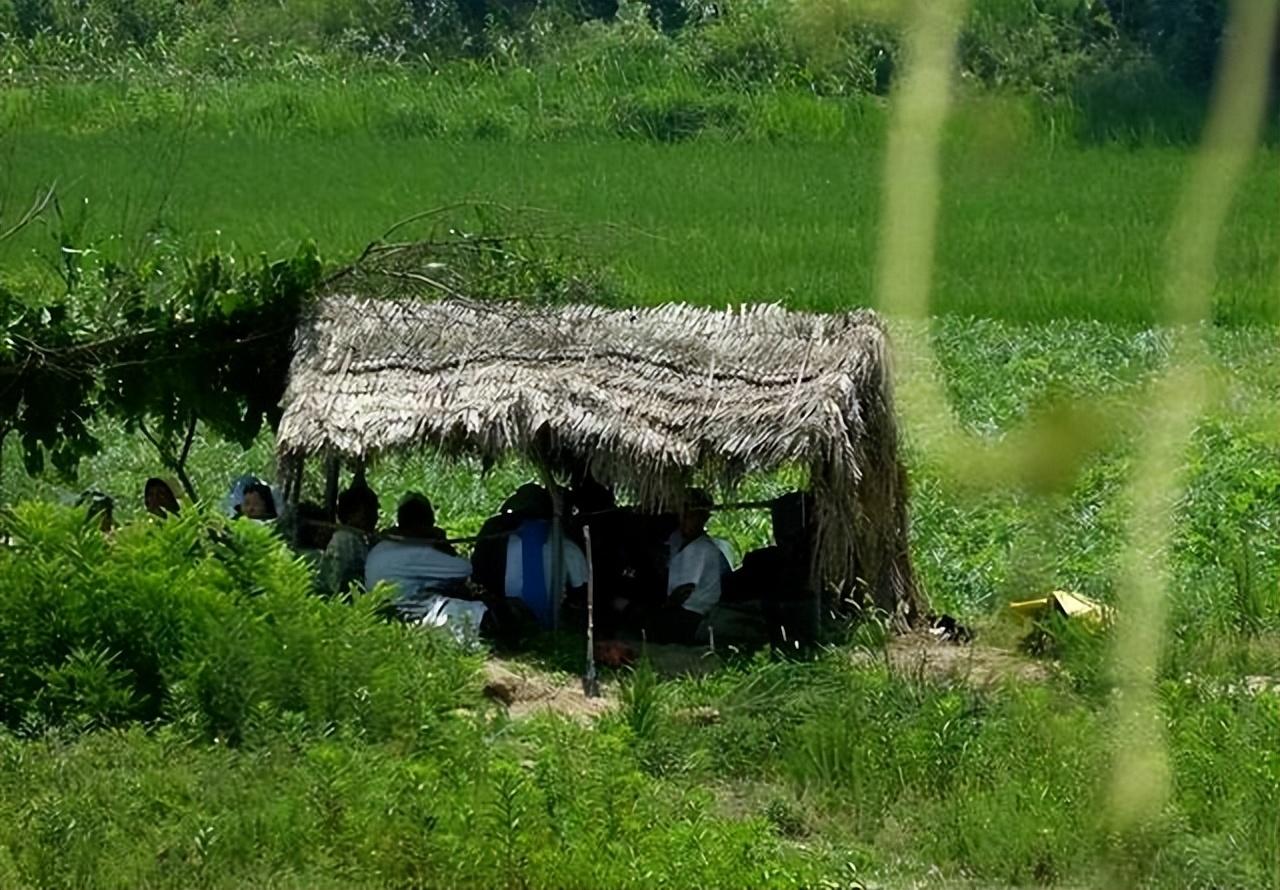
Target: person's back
(415, 561)
(529, 567)
(696, 569)
(489, 556)
(344, 558)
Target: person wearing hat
(695, 567)
(513, 557)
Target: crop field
(1028, 233)
(178, 710)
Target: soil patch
(925, 656)
(526, 691)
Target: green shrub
(1138, 102)
(846, 47)
(202, 622)
(548, 805)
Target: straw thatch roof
(647, 399)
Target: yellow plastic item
(1066, 603)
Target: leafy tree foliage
(169, 343)
(153, 346)
(1183, 34)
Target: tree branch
(175, 464)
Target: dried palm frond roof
(647, 399)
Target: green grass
(778, 201)
(181, 713)
(1029, 235)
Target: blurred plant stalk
(1045, 455)
(1140, 782)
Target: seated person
(512, 561)
(259, 503)
(414, 559)
(489, 556)
(777, 579)
(694, 570)
(528, 571)
(438, 536)
(342, 563)
(160, 496)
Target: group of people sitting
(656, 576)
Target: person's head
(589, 496)
(530, 501)
(100, 507)
(313, 527)
(159, 497)
(695, 513)
(416, 518)
(358, 508)
(792, 517)
(259, 502)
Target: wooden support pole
(332, 470)
(555, 583)
(590, 682)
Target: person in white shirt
(415, 559)
(694, 570)
(528, 570)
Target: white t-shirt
(413, 566)
(575, 565)
(700, 563)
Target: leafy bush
(1185, 35)
(1139, 101)
(1041, 45)
(200, 622)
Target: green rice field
(1029, 231)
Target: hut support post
(331, 469)
(289, 476)
(555, 582)
(590, 682)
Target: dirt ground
(525, 690)
(925, 656)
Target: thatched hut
(647, 399)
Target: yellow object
(1066, 603)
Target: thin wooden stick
(590, 682)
